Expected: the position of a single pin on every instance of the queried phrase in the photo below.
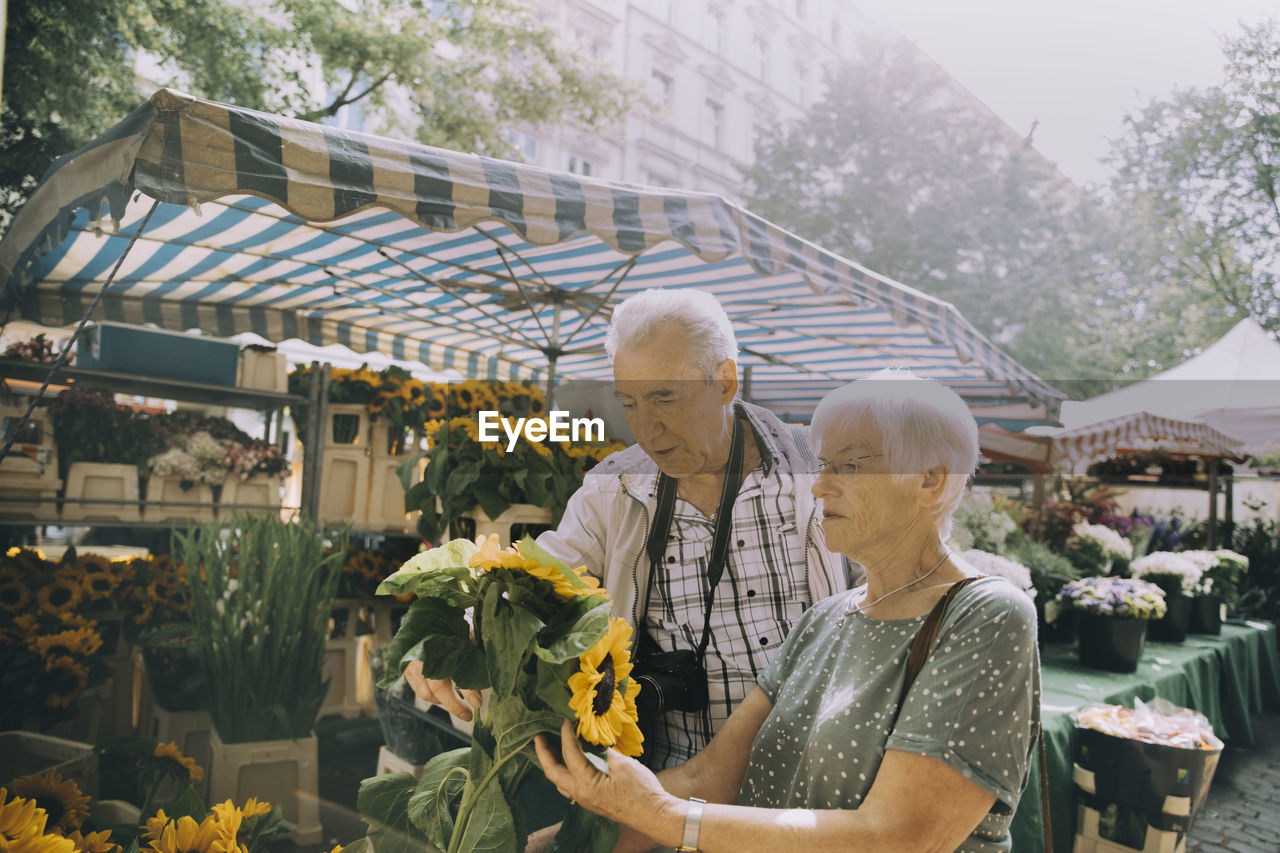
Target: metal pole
(313, 453)
(1213, 503)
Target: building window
(653, 179)
(717, 30)
(762, 59)
(666, 88)
(581, 166)
(715, 118)
(525, 144)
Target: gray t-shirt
(975, 705)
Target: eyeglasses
(842, 468)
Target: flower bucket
(1206, 615)
(1111, 643)
(173, 670)
(1172, 627)
(1061, 631)
(282, 772)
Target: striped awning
(234, 221)
(1143, 431)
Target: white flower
(993, 564)
(1112, 542)
(1169, 563)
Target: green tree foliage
(1196, 179)
(452, 74)
(900, 170)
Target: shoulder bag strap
(915, 663)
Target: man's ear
(932, 484)
(726, 377)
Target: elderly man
(722, 589)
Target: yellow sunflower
(184, 835)
(26, 625)
(18, 815)
(73, 641)
(93, 564)
(78, 621)
(630, 741)
(14, 594)
(491, 555)
(229, 819)
(61, 682)
(171, 752)
(62, 800)
(600, 688)
(60, 593)
(37, 842)
(94, 842)
(98, 585)
(254, 807)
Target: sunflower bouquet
(46, 813)
(535, 633)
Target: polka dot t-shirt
(975, 705)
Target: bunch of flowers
(47, 813)
(243, 461)
(1176, 574)
(463, 472)
(1221, 571)
(1098, 548)
(993, 564)
(195, 458)
(538, 635)
(90, 426)
(38, 348)
(50, 645)
(981, 523)
(362, 571)
(1124, 597)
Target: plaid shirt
(760, 596)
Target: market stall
(196, 214)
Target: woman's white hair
(703, 319)
(923, 424)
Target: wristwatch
(692, 824)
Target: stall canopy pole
(1213, 502)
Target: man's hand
(442, 692)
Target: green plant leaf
(584, 831)
(187, 803)
(455, 554)
(508, 633)
(426, 617)
(489, 828)
(435, 802)
(383, 803)
(406, 470)
(514, 725)
(553, 686)
(579, 636)
(491, 501)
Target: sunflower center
(10, 595)
(605, 689)
(59, 596)
(53, 808)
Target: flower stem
(471, 794)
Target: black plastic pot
(1206, 614)
(1111, 643)
(1172, 627)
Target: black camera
(670, 681)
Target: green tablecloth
(1227, 678)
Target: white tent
(1233, 387)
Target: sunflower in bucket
(537, 635)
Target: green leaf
(493, 503)
(187, 803)
(406, 470)
(553, 686)
(584, 831)
(489, 827)
(514, 724)
(454, 554)
(508, 633)
(574, 639)
(529, 548)
(435, 802)
(426, 616)
(383, 803)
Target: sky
(1076, 66)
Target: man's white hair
(924, 425)
(638, 318)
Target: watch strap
(692, 826)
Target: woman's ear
(727, 377)
(932, 484)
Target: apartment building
(718, 73)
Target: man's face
(678, 417)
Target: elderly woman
(823, 755)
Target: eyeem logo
(557, 426)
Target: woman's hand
(442, 692)
(629, 794)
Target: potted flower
(261, 594)
(185, 473)
(1219, 587)
(1180, 578)
(255, 471)
(1050, 572)
(538, 635)
(1097, 549)
(1113, 615)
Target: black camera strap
(660, 529)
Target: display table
(1227, 678)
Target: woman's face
(862, 505)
